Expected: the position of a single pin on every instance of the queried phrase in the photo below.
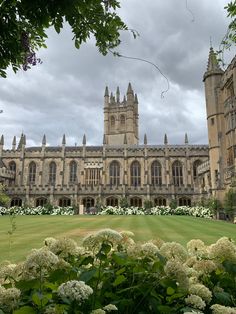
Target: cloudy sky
(65, 93)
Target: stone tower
(121, 118)
(215, 122)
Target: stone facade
(220, 87)
(120, 168)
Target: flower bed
(111, 273)
(40, 210)
(197, 211)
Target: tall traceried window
(52, 172)
(73, 172)
(12, 167)
(195, 166)
(92, 176)
(156, 173)
(177, 173)
(114, 172)
(122, 121)
(135, 174)
(112, 122)
(32, 172)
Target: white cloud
(65, 93)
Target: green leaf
(87, 275)
(25, 310)
(120, 271)
(119, 258)
(170, 291)
(51, 286)
(86, 260)
(164, 309)
(40, 299)
(25, 285)
(36, 298)
(119, 280)
(223, 298)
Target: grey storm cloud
(64, 95)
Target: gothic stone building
(218, 175)
(121, 167)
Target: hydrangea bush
(197, 211)
(40, 210)
(111, 273)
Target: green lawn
(32, 230)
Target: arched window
(156, 173)
(135, 174)
(136, 202)
(114, 173)
(64, 202)
(52, 172)
(40, 201)
(113, 122)
(32, 172)
(195, 165)
(160, 201)
(112, 201)
(73, 172)
(184, 201)
(16, 202)
(122, 121)
(12, 167)
(177, 173)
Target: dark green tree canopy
(23, 24)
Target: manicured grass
(32, 230)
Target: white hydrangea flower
(193, 312)
(9, 297)
(176, 270)
(98, 311)
(149, 249)
(204, 266)
(202, 291)
(197, 247)
(7, 270)
(64, 247)
(193, 280)
(195, 301)
(173, 250)
(109, 235)
(49, 241)
(40, 260)
(75, 291)
(94, 241)
(127, 234)
(220, 309)
(110, 307)
(223, 249)
(50, 310)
